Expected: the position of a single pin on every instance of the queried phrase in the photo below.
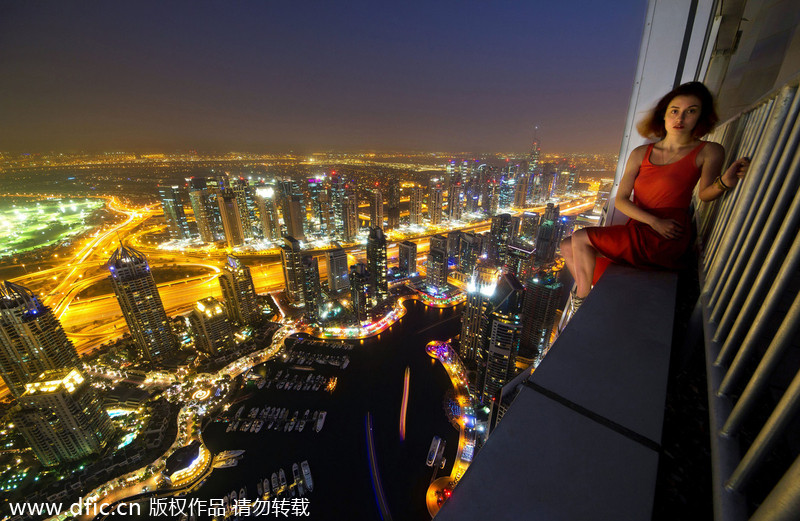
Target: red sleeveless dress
(666, 192)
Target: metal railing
(750, 308)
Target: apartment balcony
(677, 395)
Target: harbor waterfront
(372, 383)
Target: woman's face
(682, 115)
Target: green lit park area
(27, 224)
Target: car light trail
(404, 405)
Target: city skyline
(279, 77)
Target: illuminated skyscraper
(238, 291)
(172, 205)
(62, 418)
(241, 189)
(415, 207)
(376, 261)
(480, 288)
(376, 209)
(337, 270)
(548, 236)
(468, 252)
(436, 268)
(501, 328)
(435, 204)
(453, 246)
(337, 194)
(501, 235)
(140, 303)
(231, 218)
(359, 291)
(202, 214)
(312, 292)
(350, 218)
(519, 260)
(521, 192)
(407, 255)
(393, 210)
(454, 204)
(210, 326)
(31, 339)
(318, 206)
(294, 217)
(529, 226)
(268, 210)
(542, 297)
(291, 257)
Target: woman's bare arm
(712, 157)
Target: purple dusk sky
(312, 76)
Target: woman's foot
(575, 301)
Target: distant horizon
(306, 76)
(311, 152)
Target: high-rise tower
(359, 291)
(501, 235)
(140, 303)
(542, 298)
(376, 209)
(231, 218)
(435, 203)
(350, 216)
(62, 418)
(172, 205)
(501, 327)
(415, 208)
(407, 256)
(337, 270)
(211, 327)
(239, 292)
(31, 339)
(481, 286)
(291, 257)
(312, 292)
(376, 260)
(268, 209)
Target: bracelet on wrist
(721, 184)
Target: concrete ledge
(613, 356)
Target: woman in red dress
(661, 176)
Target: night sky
(312, 76)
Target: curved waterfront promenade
(444, 353)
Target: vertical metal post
(783, 503)
(783, 414)
(781, 341)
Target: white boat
(320, 421)
(307, 475)
(230, 454)
(259, 489)
(346, 363)
(257, 424)
(239, 412)
(242, 494)
(274, 480)
(433, 450)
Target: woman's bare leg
(584, 257)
